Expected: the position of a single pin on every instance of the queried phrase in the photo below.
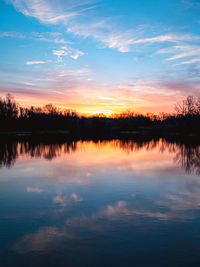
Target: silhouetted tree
(191, 106)
(17, 118)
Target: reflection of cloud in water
(76, 198)
(64, 201)
(107, 160)
(34, 190)
(44, 238)
(175, 207)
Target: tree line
(14, 117)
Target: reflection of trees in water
(126, 145)
(10, 151)
(45, 150)
(187, 155)
(8, 154)
(131, 146)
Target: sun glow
(108, 107)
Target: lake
(99, 203)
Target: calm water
(103, 203)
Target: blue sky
(100, 56)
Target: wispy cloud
(72, 52)
(103, 30)
(47, 12)
(173, 38)
(68, 51)
(74, 73)
(79, 23)
(12, 34)
(35, 62)
(179, 53)
(74, 89)
(187, 51)
(50, 37)
(194, 60)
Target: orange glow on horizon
(102, 103)
(108, 109)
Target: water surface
(99, 203)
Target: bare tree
(188, 106)
(51, 109)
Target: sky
(100, 56)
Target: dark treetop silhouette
(13, 117)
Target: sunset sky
(100, 56)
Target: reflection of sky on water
(97, 201)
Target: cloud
(42, 10)
(35, 62)
(54, 37)
(12, 34)
(152, 96)
(103, 30)
(194, 60)
(51, 37)
(180, 52)
(50, 12)
(77, 55)
(187, 51)
(173, 38)
(74, 73)
(68, 51)
(59, 53)
(125, 40)
(28, 83)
